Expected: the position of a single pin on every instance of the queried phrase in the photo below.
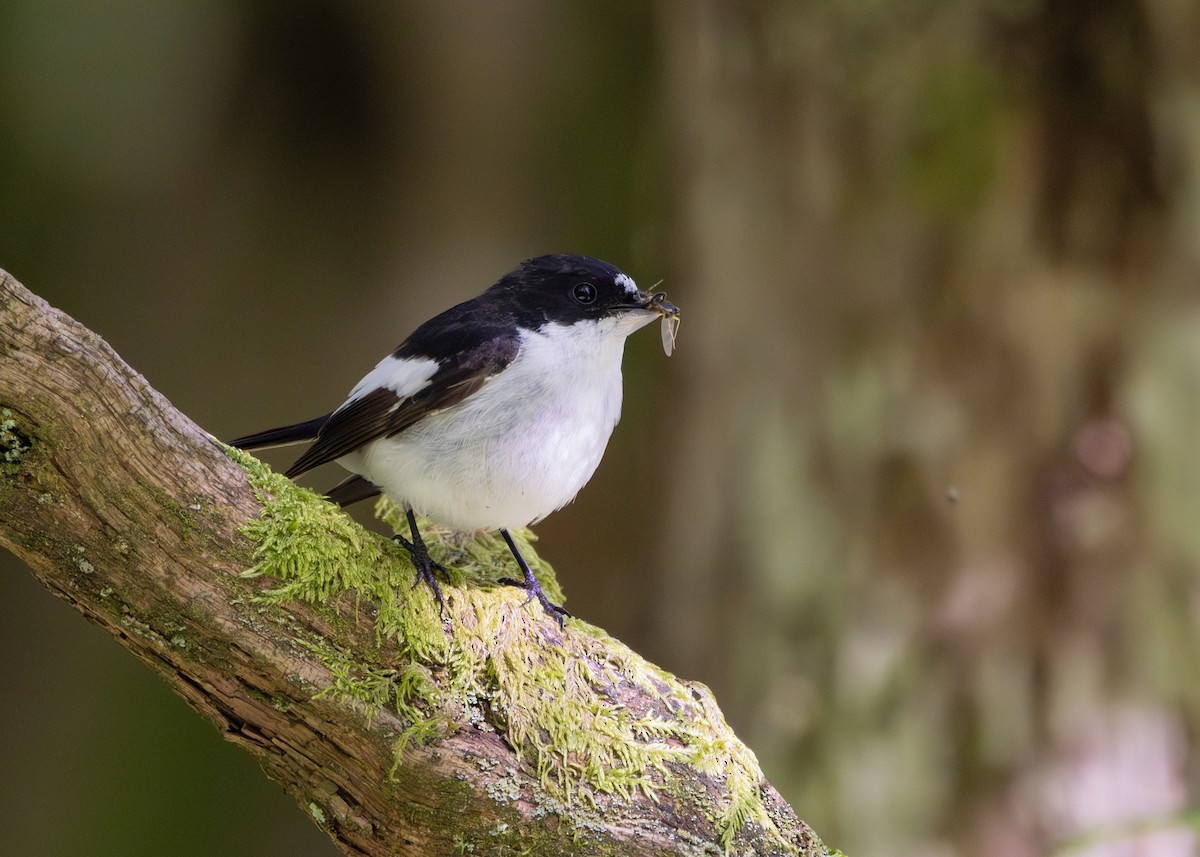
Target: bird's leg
(424, 563)
(531, 585)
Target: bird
(491, 415)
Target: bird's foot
(534, 590)
(425, 566)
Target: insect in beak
(670, 320)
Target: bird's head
(567, 289)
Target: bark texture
(396, 732)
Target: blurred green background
(918, 493)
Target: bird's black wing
(471, 355)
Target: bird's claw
(425, 566)
(534, 590)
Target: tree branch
(299, 635)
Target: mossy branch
(299, 634)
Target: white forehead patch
(626, 282)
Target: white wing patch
(626, 282)
(404, 376)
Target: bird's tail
(349, 490)
(282, 436)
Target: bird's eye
(584, 293)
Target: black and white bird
(491, 415)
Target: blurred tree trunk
(945, 550)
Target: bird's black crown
(563, 288)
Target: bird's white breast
(520, 447)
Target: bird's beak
(658, 302)
(648, 306)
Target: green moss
(491, 663)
